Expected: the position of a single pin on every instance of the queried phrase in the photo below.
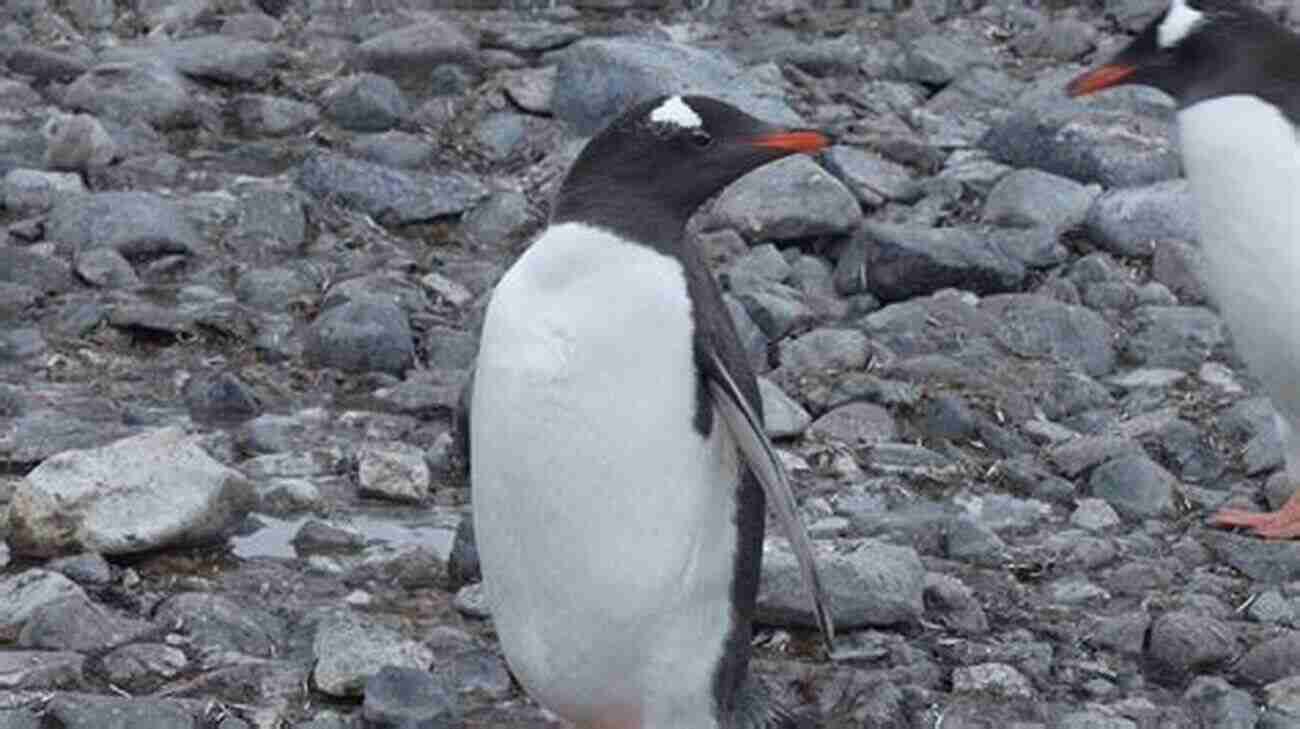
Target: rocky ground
(247, 243)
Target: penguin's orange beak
(799, 140)
(1102, 77)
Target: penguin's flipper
(756, 450)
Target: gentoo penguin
(619, 465)
(1235, 74)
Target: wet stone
(397, 696)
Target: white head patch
(676, 111)
(1178, 23)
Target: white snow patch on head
(676, 111)
(1178, 23)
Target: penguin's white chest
(1242, 159)
(604, 520)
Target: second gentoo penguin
(1235, 74)
(619, 465)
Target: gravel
(244, 253)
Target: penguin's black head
(1202, 49)
(666, 156)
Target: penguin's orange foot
(1281, 524)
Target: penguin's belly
(604, 520)
(1242, 159)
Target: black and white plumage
(619, 466)
(1235, 74)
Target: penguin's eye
(701, 139)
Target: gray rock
(1127, 221)
(359, 335)
(151, 92)
(1032, 198)
(777, 309)
(270, 216)
(223, 59)
(468, 667)
(393, 149)
(896, 262)
(524, 35)
(88, 568)
(1094, 515)
(856, 423)
(1036, 326)
(396, 471)
(399, 696)
(407, 53)
(92, 16)
(500, 221)
(531, 89)
(788, 199)
(390, 196)
(44, 65)
(1063, 39)
(87, 711)
(1181, 268)
(1217, 701)
(76, 624)
(252, 26)
(763, 262)
(872, 179)
(220, 398)
(976, 92)
(869, 583)
(273, 116)
(954, 605)
(366, 102)
(217, 622)
(35, 436)
(947, 417)
(597, 79)
(44, 274)
(822, 350)
(502, 134)
(782, 416)
(136, 224)
(1270, 661)
(1081, 454)
(39, 671)
(21, 595)
(752, 338)
(1262, 561)
(349, 649)
(78, 143)
(1173, 336)
(463, 563)
(1136, 486)
(1112, 148)
(936, 59)
(998, 679)
(105, 268)
(124, 498)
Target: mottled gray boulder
(215, 622)
(787, 199)
(29, 192)
(217, 58)
(398, 696)
(262, 114)
(937, 59)
(782, 415)
(1136, 486)
(1116, 149)
(1174, 336)
(408, 53)
(896, 262)
(150, 491)
(76, 624)
(366, 102)
(1184, 642)
(598, 79)
(133, 223)
(349, 649)
(124, 91)
(390, 196)
(87, 711)
(873, 179)
(21, 595)
(1036, 326)
(869, 583)
(1032, 198)
(368, 333)
(77, 142)
(1129, 221)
